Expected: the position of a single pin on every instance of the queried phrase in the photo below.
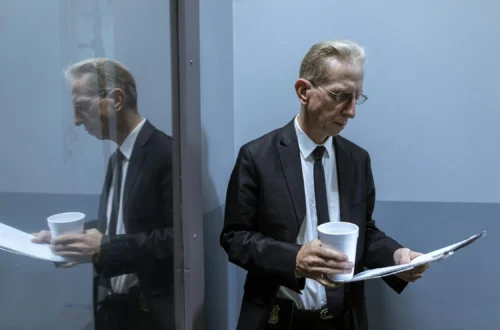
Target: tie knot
(318, 152)
(120, 157)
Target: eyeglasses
(344, 97)
(84, 105)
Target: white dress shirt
(314, 295)
(121, 284)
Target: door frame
(188, 199)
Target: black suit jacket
(265, 207)
(147, 247)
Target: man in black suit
(131, 242)
(290, 180)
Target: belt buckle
(273, 316)
(325, 314)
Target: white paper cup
(66, 223)
(342, 237)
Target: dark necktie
(334, 297)
(117, 185)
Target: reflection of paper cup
(66, 223)
(342, 237)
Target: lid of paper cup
(338, 228)
(66, 217)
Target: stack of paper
(16, 241)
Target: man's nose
(350, 111)
(77, 120)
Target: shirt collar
(307, 146)
(128, 144)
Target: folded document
(16, 241)
(430, 257)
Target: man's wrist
(96, 257)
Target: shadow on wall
(217, 291)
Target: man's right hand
(313, 261)
(44, 237)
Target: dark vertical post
(188, 203)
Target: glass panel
(78, 79)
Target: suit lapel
(343, 160)
(135, 162)
(292, 168)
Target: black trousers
(123, 312)
(285, 316)
(318, 325)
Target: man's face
(90, 110)
(330, 105)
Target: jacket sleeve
(139, 252)
(379, 248)
(240, 236)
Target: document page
(16, 241)
(430, 257)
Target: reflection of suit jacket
(265, 208)
(147, 247)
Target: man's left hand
(404, 256)
(78, 246)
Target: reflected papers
(16, 241)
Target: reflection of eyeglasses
(84, 106)
(344, 97)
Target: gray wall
(48, 166)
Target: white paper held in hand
(16, 241)
(431, 257)
(342, 237)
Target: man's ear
(302, 88)
(118, 98)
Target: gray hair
(106, 74)
(315, 65)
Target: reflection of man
(131, 243)
(290, 180)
